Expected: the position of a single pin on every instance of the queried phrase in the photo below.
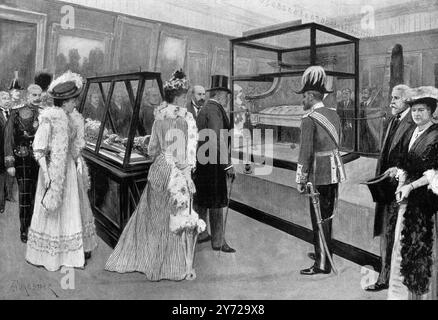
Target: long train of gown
(147, 245)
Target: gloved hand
(11, 171)
(231, 174)
(301, 187)
(79, 166)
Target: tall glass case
(119, 113)
(266, 70)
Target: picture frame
(144, 36)
(198, 71)
(80, 43)
(221, 61)
(172, 52)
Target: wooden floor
(265, 266)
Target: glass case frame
(134, 100)
(312, 28)
(116, 188)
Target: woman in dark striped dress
(148, 244)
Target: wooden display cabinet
(117, 115)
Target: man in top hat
(319, 161)
(19, 134)
(197, 102)
(212, 172)
(396, 138)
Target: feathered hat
(178, 81)
(66, 86)
(425, 94)
(314, 78)
(43, 79)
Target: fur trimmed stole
(66, 135)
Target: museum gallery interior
(126, 50)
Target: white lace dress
(60, 237)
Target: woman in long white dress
(62, 231)
(154, 239)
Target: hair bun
(179, 74)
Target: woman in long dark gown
(414, 257)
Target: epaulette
(307, 114)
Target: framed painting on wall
(82, 51)
(135, 45)
(243, 66)
(221, 62)
(22, 44)
(198, 68)
(171, 54)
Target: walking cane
(226, 216)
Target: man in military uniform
(319, 161)
(19, 134)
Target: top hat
(219, 82)
(67, 86)
(314, 79)
(382, 188)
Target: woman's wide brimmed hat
(424, 94)
(219, 83)
(314, 79)
(68, 85)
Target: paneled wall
(103, 42)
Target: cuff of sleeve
(9, 161)
(38, 154)
(301, 176)
(432, 178)
(400, 175)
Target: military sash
(327, 125)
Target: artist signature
(18, 286)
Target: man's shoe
(312, 271)
(312, 255)
(377, 287)
(2, 210)
(23, 237)
(207, 238)
(225, 248)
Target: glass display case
(119, 113)
(266, 71)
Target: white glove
(79, 167)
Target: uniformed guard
(319, 161)
(19, 134)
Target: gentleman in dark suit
(319, 162)
(213, 169)
(4, 114)
(399, 129)
(197, 102)
(345, 110)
